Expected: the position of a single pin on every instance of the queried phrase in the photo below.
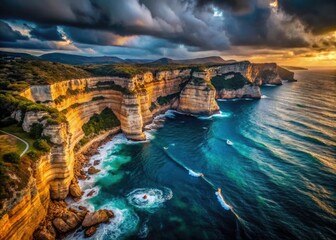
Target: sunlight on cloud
(274, 5)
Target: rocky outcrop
(97, 217)
(259, 74)
(92, 170)
(75, 190)
(62, 220)
(248, 91)
(286, 74)
(68, 221)
(198, 98)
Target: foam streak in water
(195, 174)
(222, 201)
(217, 115)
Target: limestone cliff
(135, 101)
(248, 91)
(286, 74)
(259, 74)
(198, 98)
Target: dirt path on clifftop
(27, 144)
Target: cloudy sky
(295, 32)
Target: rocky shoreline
(61, 219)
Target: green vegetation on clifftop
(230, 81)
(16, 75)
(9, 102)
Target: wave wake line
(218, 192)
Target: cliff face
(248, 91)
(266, 73)
(286, 74)
(135, 101)
(259, 74)
(198, 98)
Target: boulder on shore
(46, 232)
(93, 170)
(90, 193)
(90, 231)
(75, 190)
(97, 217)
(68, 221)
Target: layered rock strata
(135, 101)
(248, 91)
(198, 98)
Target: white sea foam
(149, 198)
(222, 201)
(217, 115)
(235, 99)
(194, 174)
(263, 96)
(170, 114)
(124, 222)
(143, 231)
(270, 85)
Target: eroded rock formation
(135, 101)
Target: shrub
(42, 145)
(33, 155)
(99, 122)
(36, 130)
(10, 102)
(224, 82)
(11, 157)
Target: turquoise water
(277, 180)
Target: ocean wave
(263, 97)
(123, 223)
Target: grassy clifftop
(130, 70)
(16, 75)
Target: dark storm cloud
(264, 28)
(237, 6)
(7, 34)
(46, 33)
(317, 15)
(35, 44)
(196, 25)
(174, 19)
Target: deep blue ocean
(277, 180)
